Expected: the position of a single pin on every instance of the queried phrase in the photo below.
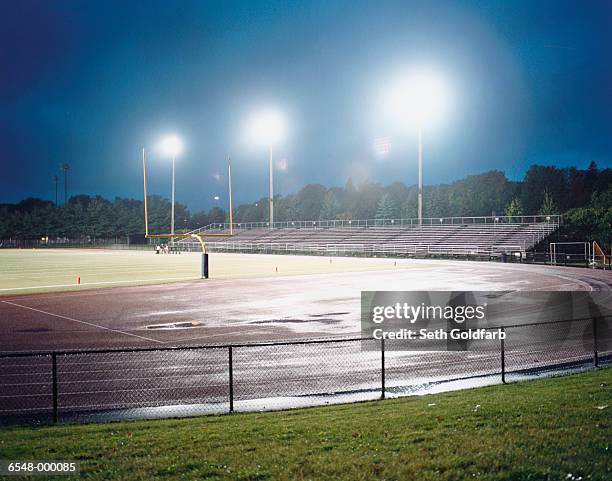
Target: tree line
(583, 195)
(94, 217)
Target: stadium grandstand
(493, 236)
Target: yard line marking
(82, 322)
(100, 283)
(239, 331)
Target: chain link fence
(186, 381)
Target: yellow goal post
(200, 236)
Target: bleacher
(452, 236)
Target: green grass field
(26, 271)
(549, 429)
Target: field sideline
(556, 428)
(51, 270)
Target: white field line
(540, 270)
(81, 322)
(99, 283)
(20, 273)
(588, 286)
(92, 274)
(96, 269)
(257, 330)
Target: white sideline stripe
(579, 281)
(253, 330)
(82, 322)
(100, 283)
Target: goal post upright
(200, 237)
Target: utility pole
(65, 168)
(420, 206)
(271, 190)
(55, 179)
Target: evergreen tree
(549, 206)
(409, 206)
(514, 208)
(386, 208)
(330, 208)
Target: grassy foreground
(51, 270)
(552, 429)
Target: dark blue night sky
(90, 82)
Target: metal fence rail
(365, 249)
(167, 382)
(552, 220)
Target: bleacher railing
(552, 220)
(383, 249)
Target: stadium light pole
(420, 201)
(65, 168)
(172, 146)
(268, 128)
(271, 176)
(418, 98)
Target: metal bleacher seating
(454, 236)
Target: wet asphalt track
(250, 310)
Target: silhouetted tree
(583, 194)
(549, 206)
(514, 208)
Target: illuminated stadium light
(417, 99)
(171, 146)
(268, 127)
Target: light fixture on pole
(417, 100)
(268, 128)
(65, 168)
(172, 146)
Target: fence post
(503, 356)
(382, 368)
(54, 379)
(231, 380)
(595, 353)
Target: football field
(48, 270)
